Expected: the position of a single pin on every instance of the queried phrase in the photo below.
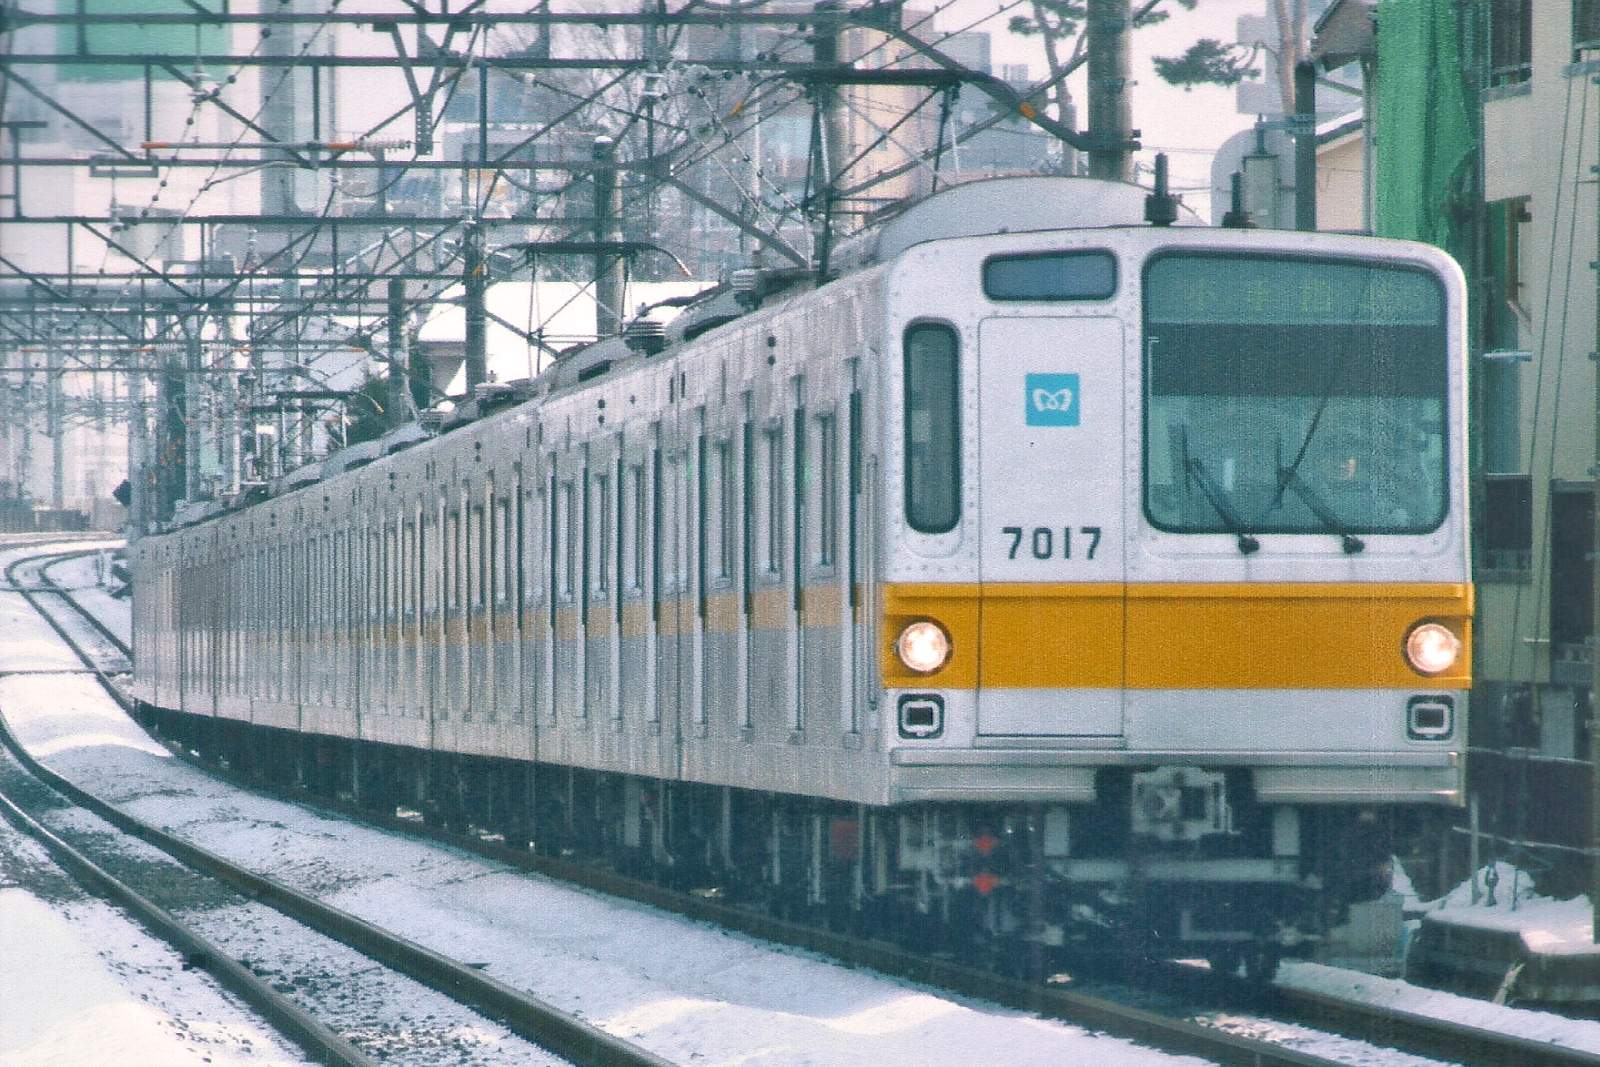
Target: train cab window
(933, 428)
(1293, 395)
(1051, 276)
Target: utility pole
(227, 417)
(474, 283)
(279, 117)
(192, 412)
(138, 456)
(830, 132)
(607, 228)
(1594, 692)
(1110, 114)
(54, 402)
(169, 459)
(397, 398)
(1305, 145)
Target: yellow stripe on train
(1336, 635)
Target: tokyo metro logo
(1052, 399)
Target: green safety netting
(1425, 129)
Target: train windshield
(1293, 396)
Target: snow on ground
(1403, 996)
(385, 1014)
(687, 991)
(1546, 925)
(81, 983)
(82, 577)
(1542, 921)
(683, 989)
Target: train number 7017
(1041, 541)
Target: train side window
(827, 491)
(773, 471)
(671, 505)
(412, 568)
(485, 547)
(534, 552)
(569, 523)
(602, 534)
(1051, 276)
(472, 561)
(427, 547)
(639, 517)
(396, 571)
(722, 493)
(509, 543)
(462, 560)
(933, 428)
(452, 563)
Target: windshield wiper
(1288, 479)
(1192, 467)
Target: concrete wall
(1540, 138)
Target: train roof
(1003, 205)
(971, 209)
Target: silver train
(1045, 577)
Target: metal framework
(215, 315)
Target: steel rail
(527, 1016)
(1372, 1023)
(286, 1017)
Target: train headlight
(923, 646)
(1432, 648)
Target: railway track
(1373, 1025)
(337, 961)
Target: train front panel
(1177, 557)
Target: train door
(1050, 488)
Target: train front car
(1176, 598)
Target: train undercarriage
(1168, 863)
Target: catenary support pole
(397, 399)
(1110, 112)
(1305, 145)
(474, 281)
(607, 228)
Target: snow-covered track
(318, 1041)
(1437, 1038)
(1378, 1024)
(557, 1032)
(89, 618)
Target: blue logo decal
(1052, 399)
